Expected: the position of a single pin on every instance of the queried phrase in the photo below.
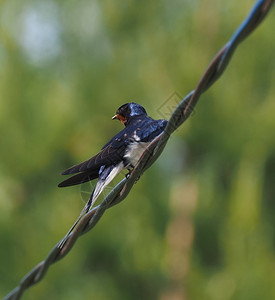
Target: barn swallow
(122, 152)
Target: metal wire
(151, 153)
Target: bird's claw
(128, 174)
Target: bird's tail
(95, 194)
(105, 177)
(83, 212)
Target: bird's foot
(137, 179)
(128, 174)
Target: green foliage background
(200, 223)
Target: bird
(122, 152)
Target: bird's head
(128, 111)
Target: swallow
(122, 152)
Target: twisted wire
(151, 153)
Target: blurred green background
(200, 223)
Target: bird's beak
(120, 118)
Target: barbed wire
(151, 153)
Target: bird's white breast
(135, 151)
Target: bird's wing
(152, 129)
(80, 178)
(110, 154)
